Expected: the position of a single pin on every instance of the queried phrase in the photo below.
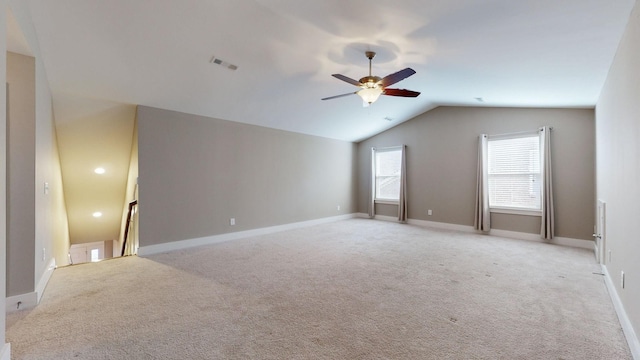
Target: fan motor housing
(370, 81)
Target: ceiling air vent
(215, 60)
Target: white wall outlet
(429, 212)
(622, 279)
(232, 221)
(44, 254)
(338, 207)
(46, 188)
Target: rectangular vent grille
(215, 60)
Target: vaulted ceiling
(540, 53)
(104, 57)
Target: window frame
(374, 174)
(518, 210)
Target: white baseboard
(44, 279)
(31, 299)
(26, 301)
(214, 239)
(627, 328)
(5, 353)
(563, 241)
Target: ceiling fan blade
(347, 79)
(395, 77)
(400, 92)
(338, 96)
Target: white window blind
(514, 173)
(388, 165)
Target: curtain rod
(387, 148)
(518, 133)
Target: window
(515, 181)
(388, 166)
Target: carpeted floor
(354, 289)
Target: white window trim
(510, 210)
(383, 200)
(386, 201)
(515, 211)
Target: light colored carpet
(354, 289)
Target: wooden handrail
(126, 227)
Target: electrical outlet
(44, 254)
(46, 188)
(338, 207)
(622, 279)
(429, 212)
(232, 221)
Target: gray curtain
(482, 218)
(402, 199)
(372, 185)
(547, 226)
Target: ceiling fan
(371, 87)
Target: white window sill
(388, 202)
(516, 211)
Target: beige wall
(21, 157)
(37, 227)
(60, 224)
(130, 195)
(442, 160)
(3, 168)
(48, 233)
(618, 167)
(196, 173)
(50, 210)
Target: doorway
(88, 252)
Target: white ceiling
(541, 53)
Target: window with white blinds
(515, 180)
(388, 166)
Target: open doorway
(97, 141)
(89, 252)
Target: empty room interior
(213, 179)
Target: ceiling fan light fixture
(370, 94)
(371, 87)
